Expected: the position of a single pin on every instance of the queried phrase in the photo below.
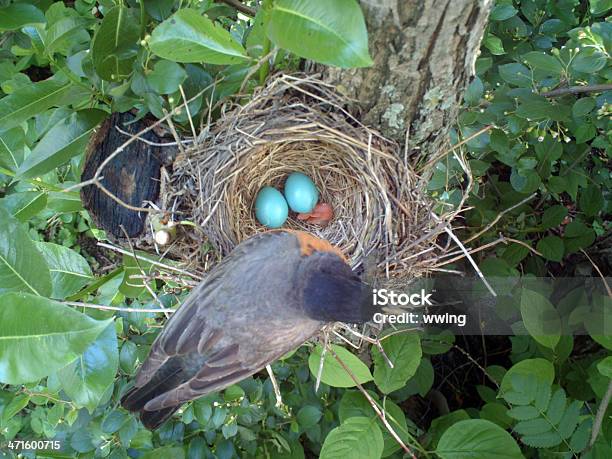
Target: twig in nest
(154, 144)
(153, 262)
(114, 308)
(144, 283)
(193, 131)
(254, 69)
(374, 405)
(277, 392)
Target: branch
(577, 90)
(603, 406)
(115, 308)
(241, 7)
(499, 216)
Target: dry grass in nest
(382, 220)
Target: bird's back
(247, 313)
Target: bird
(320, 215)
(272, 293)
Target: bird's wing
(185, 364)
(192, 355)
(188, 330)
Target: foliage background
(65, 66)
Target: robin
(272, 293)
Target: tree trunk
(424, 54)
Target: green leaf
(502, 12)
(540, 317)
(551, 248)
(523, 413)
(17, 15)
(556, 407)
(404, 351)
(12, 142)
(569, 421)
(13, 407)
(86, 379)
(494, 44)
(496, 412)
(515, 253)
(532, 427)
(542, 61)
(333, 373)
(526, 181)
(577, 236)
(61, 34)
(188, 37)
(591, 200)
(542, 370)
(543, 440)
(437, 343)
(357, 434)
(159, 9)
(474, 92)
(605, 367)
(553, 216)
(308, 416)
(115, 44)
(25, 205)
(515, 74)
(39, 336)
(35, 98)
(477, 439)
(165, 452)
(166, 77)
(585, 132)
(64, 201)
(22, 267)
(134, 287)
(589, 60)
(581, 436)
(598, 7)
(257, 35)
(69, 270)
(423, 379)
(524, 389)
(583, 106)
(63, 141)
(542, 396)
(536, 108)
(332, 33)
(354, 403)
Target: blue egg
(270, 207)
(301, 193)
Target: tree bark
(424, 54)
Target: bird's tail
(166, 379)
(150, 419)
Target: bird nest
(382, 220)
